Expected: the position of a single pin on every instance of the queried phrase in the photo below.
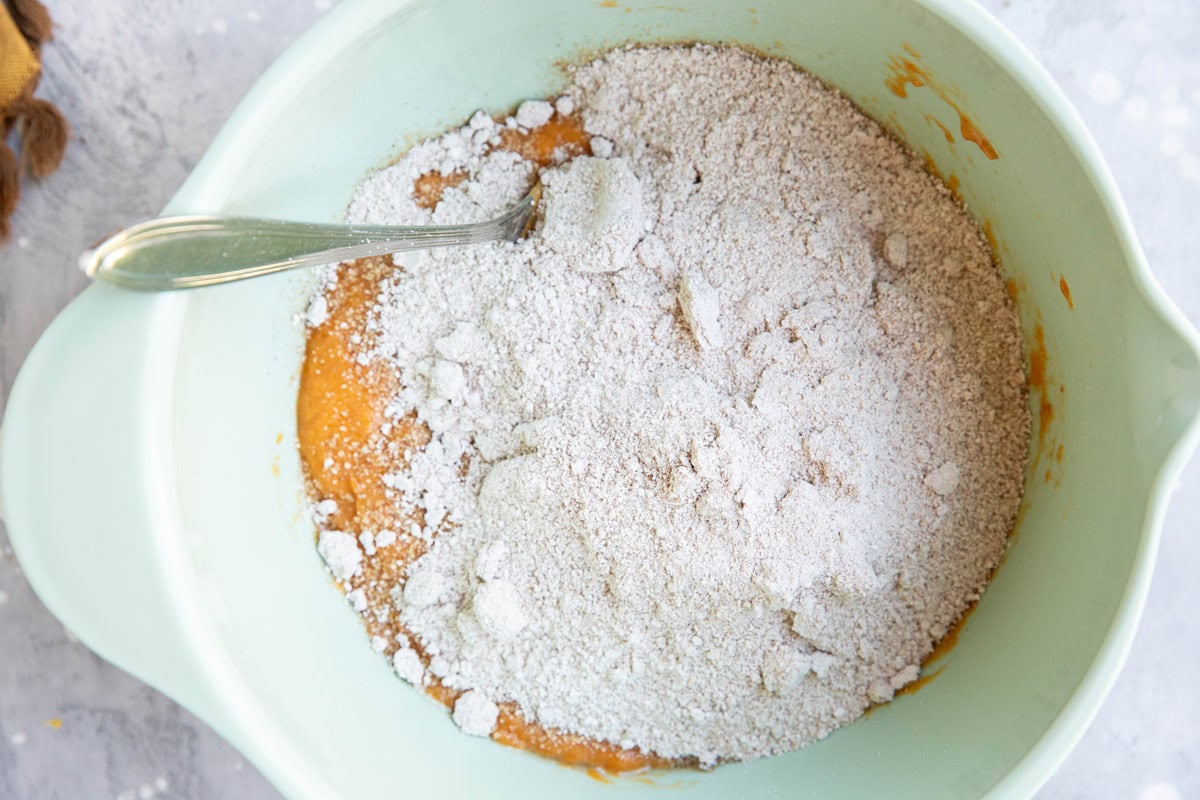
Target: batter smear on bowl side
(705, 465)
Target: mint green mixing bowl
(157, 515)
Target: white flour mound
(743, 418)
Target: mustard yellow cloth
(39, 126)
(19, 66)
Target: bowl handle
(1168, 357)
(88, 546)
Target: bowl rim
(1045, 756)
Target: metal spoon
(191, 251)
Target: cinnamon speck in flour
(722, 447)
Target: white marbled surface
(147, 84)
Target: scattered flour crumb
(325, 508)
(341, 553)
(601, 147)
(357, 600)
(318, 311)
(475, 714)
(408, 665)
(534, 113)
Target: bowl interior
(324, 716)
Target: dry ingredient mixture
(704, 466)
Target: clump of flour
(594, 216)
(724, 445)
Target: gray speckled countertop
(147, 85)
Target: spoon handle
(191, 251)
